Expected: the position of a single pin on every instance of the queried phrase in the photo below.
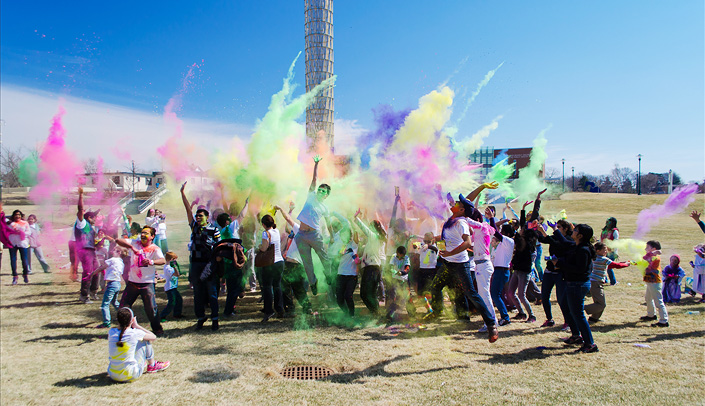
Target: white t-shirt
(312, 212)
(292, 254)
(276, 240)
(161, 231)
(398, 266)
(453, 237)
(375, 247)
(170, 281)
(144, 274)
(503, 253)
(16, 239)
(481, 238)
(123, 366)
(347, 264)
(114, 270)
(427, 258)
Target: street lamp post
(638, 177)
(563, 162)
(573, 169)
(2, 123)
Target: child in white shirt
(171, 283)
(114, 267)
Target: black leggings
(346, 285)
(368, 287)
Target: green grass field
(51, 354)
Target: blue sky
(614, 79)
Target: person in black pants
(204, 236)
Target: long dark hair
(587, 233)
(124, 317)
(268, 221)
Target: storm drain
(306, 372)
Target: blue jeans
(537, 262)
(24, 255)
(550, 280)
(466, 280)
(40, 257)
(174, 302)
(499, 279)
(271, 286)
(112, 288)
(575, 296)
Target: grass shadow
(40, 304)
(378, 369)
(67, 325)
(213, 374)
(527, 354)
(676, 336)
(84, 338)
(92, 381)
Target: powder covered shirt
(453, 237)
(312, 212)
(170, 280)
(428, 256)
(481, 239)
(347, 260)
(19, 240)
(143, 274)
(652, 273)
(123, 366)
(114, 270)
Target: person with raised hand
(310, 235)
(695, 215)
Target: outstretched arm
(316, 160)
(397, 200)
(243, 212)
(79, 213)
(286, 215)
(487, 185)
(187, 205)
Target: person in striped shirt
(598, 278)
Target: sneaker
(25, 278)
(267, 316)
(520, 316)
(158, 366)
(588, 349)
(85, 300)
(531, 319)
(492, 333)
(660, 324)
(565, 327)
(215, 325)
(482, 329)
(648, 318)
(548, 323)
(573, 340)
(29, 272)
(14, 280)
(504, 322)
(103, 325)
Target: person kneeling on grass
(130, 349)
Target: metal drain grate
(306, 372)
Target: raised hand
(491, 185)
(317, 158)
(695, 216)
(358, 212)
(538, 196)
(183, 187)
(528, 202)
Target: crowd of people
(481, 262)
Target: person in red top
(652, 277)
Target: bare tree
(621, 177)
(90, 166)
(10, 167)
(551, 173)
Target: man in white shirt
(144, 255)
(310, 235)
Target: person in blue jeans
(114, 267)
(557, 246)
(456, 234)
(503, 243)
(576, 267)
(171, 283)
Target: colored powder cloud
(674, 204)
(530, 180)
(58, 167)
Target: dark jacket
(576, 264)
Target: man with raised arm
(144, 255)
(310, 235)
(204, 236)
(84, 231)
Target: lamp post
(638, 177)
(573, 169)
(563, 162)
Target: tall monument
(319, 67)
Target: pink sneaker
(158, 366)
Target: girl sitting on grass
(130, 349)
